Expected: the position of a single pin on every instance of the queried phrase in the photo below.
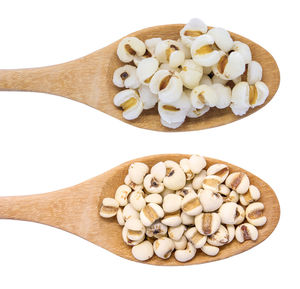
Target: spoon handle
(61, 209)
(82, 80)
(59, 79)
(36, 208)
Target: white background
(48, 142)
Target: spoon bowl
(76, 210)
(89, 80)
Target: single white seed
(159, 171)
(222, 38)
(195, 237)
(245, 232)
(154, 198)
(129, 241)
(120, 217)
(163, 247)
(187, 254)
(185, 165)
(231, 232)
(181, 243)
(168, 51)
(212, 183)
(130, 102)
(228, 212)
(198, 180)
(172, 219)
(132, 185)
(238, 181)
(143, 251)
(254, 214)
(210, 250)
(137, 172)
(197, 163)
(172, 125)
(130, 212)
(243, 49)
(121, 195)
(148, 98)
(195, 112)
(203, 95)
(254, 72)
(229, 66)
(231, 213)
(152, 185)
(125, 76)
(167, 85)
(185, 190)
(151, 213)
(245, 96)
(191, 74)
(130, 47)
(192, 30)
(191, 204)
(157, 230)
(210, 201)
(176, 111)
(171, 203)
(240, 215)
(175, 177)
(223, 95)
(146, 69)
(109, 208)
(175, 233)
(202, 51)
(187, 219)
(207, 223)
(137, 200)
(136, 230)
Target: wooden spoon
(89, 80)
(76, 210)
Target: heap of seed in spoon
(184, 207)
(188, 76)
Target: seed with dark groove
(171, 173)
(147, 54)
(236, 182)
(124, 75)
(255, 214)
(244, 75)
(154, 183)
(222, 63)
(165, 81)
(245, 233)
(252, 94)
(170, 107)
(130, 50)
(192, 33)
(206, 223)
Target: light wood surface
(76, 210)
(89, 80)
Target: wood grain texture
(89, 80)
(76, 210)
